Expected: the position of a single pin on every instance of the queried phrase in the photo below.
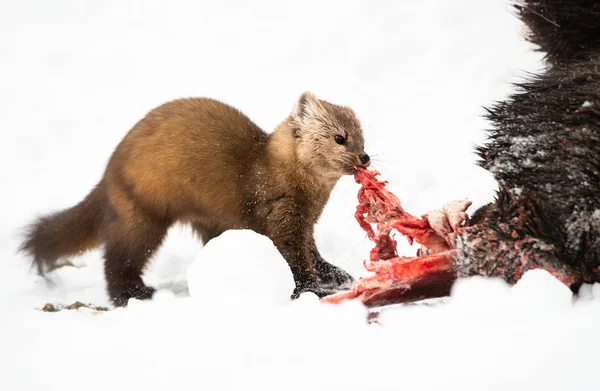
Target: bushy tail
(564, 29)
(66, 233)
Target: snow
(245, 261)
(77, 75)
(538, 289)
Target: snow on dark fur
(544, 151)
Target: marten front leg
(329, 275)
(287, 227)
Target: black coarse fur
(544, 150)
(564, 29)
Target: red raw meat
(397, 279)
(400, 279)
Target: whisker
(383, 160)
(354, 250)
(381, 166)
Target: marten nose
(364, 158)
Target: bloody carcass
(444, 253)
(544, 151)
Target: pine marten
(202, 162)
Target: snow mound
(596, 291)
(240, 266)
(480, 292)
(541, 290)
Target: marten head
(328, 137)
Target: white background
(75, 76)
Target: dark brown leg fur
(329, 275)
(205, 231)
(288, 233)
(131, 237)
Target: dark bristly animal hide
(563, 29)
(544, 151)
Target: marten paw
(333, 277)
(319, 290)
(132, 292)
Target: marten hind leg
(131, 237)
(206, 232)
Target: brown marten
(202, 162)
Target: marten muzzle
(364, 159)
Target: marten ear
(307, 109)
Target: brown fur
(203, 162)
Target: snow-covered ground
(76, 75)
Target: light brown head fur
(316, 126)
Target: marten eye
(339, 139)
